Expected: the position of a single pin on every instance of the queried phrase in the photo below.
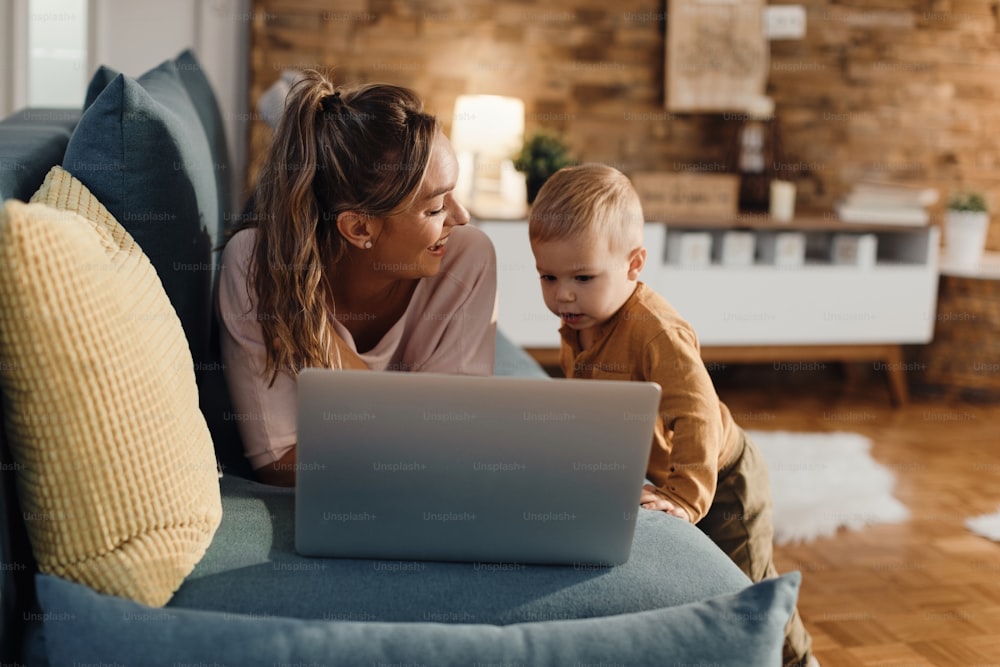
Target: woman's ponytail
(361, 149)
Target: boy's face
(583, 282)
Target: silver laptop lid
(423, 466)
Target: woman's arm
(264, 411)
(281, 472)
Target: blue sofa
(251, 599)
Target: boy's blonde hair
(592, 201)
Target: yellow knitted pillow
(116, 469)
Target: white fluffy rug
(822, 482)
(987, 525)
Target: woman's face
(413, 242)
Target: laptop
(427, 466)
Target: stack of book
(887, 203)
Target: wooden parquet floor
(920, 593)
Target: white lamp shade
(488, 124)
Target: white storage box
(782, 248)
(854, 250)
(689, 248)
(736, 248)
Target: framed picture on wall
(717, 55)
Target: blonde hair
(592, 201)
(362, 149)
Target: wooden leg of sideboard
(850, 372)
(895, 369)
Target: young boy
(586, 232)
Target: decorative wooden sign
(669, 196)
(717, 55)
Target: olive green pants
(740, 522)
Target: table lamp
(486, 131)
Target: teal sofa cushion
(513, 360)
(140, 149)
(84, 627)
(252, 567)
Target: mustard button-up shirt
(695, 434)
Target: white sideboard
(816, 310)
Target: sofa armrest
(31, 141)
(17, 566)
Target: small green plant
(972, 202)
(543, 154)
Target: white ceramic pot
(965, 238)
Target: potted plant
(543, 154)
(966, 222)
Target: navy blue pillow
(102, 77)
(84, 627)
(206, 106)
(205, 103)
(141, 150)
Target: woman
(356, 256)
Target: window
(57, 52)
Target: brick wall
(888, 89)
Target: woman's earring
(368, 245)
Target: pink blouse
(448, 327)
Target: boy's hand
(652, 499)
